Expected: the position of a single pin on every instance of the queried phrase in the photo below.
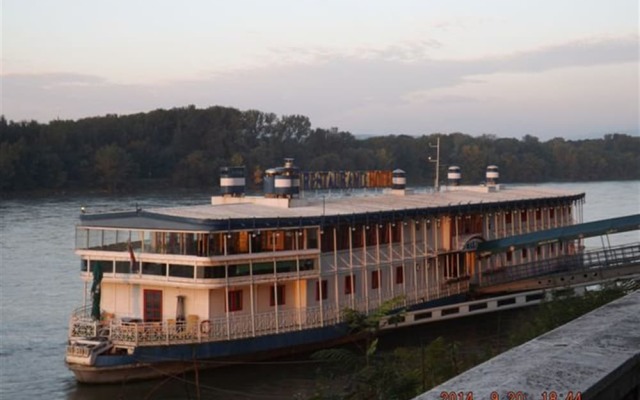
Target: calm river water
(40, 286)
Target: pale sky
(548, 68)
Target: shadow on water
(278, 379)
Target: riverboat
(247, 277)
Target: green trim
(566, 233)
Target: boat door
(152, 305)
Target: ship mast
(437, 161)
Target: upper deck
(259, 212)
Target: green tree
(113, 166)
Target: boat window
(105, 266)
(181, 271)
(211, 272)
(238, 242)
(312, 238)
(238, 270)
(262, 268)
(84, 265)
(371, 238)
(326, 239)
(396, 231)
(357, 236)
(342, 237)
(82, 237)
(307, 265)
(154, 269)
(123, 267)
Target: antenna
(437, 161)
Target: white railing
(222, 328)
(124, 333)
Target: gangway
(588, 267)
(523, 286)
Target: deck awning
(577, 231)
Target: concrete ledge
(596, 355)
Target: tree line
(185, 147)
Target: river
(40, 286)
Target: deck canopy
(572, 232)
(341, 210)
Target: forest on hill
(185, 147)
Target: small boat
(254, 277)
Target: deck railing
(607, 258)
(130, 334)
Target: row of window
(524, 215)
(197, 244)
(276, 296)
(187, 271)
(277, 293)
(525, 252)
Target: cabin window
(181, 271)
(538, 214)
(509, 256)
(286, 266)
(342, 237)
(105, 266)
(349, 284)
(523, 216)
(371, 235)
(507, 217)
(326, 238)
(216, 244)
(241, 270)
(357, 237)
(384, 233)
(324, 288)
(273, 240)
(211, 272)
(152, 305)
(524, 253)
(238, 243)
(234, 301)
(312, 238)
(277, 296)
(123, 267)
(396, 230)
(154, 269)
(552, 213)
(84, 265)
(307, 265)
(375, 279)
(538, 250)
(399, 275)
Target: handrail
(607, 258)
(131, 334)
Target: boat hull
(149, 362)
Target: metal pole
(437, 161)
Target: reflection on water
(40, 286)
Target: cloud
(333, 89)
